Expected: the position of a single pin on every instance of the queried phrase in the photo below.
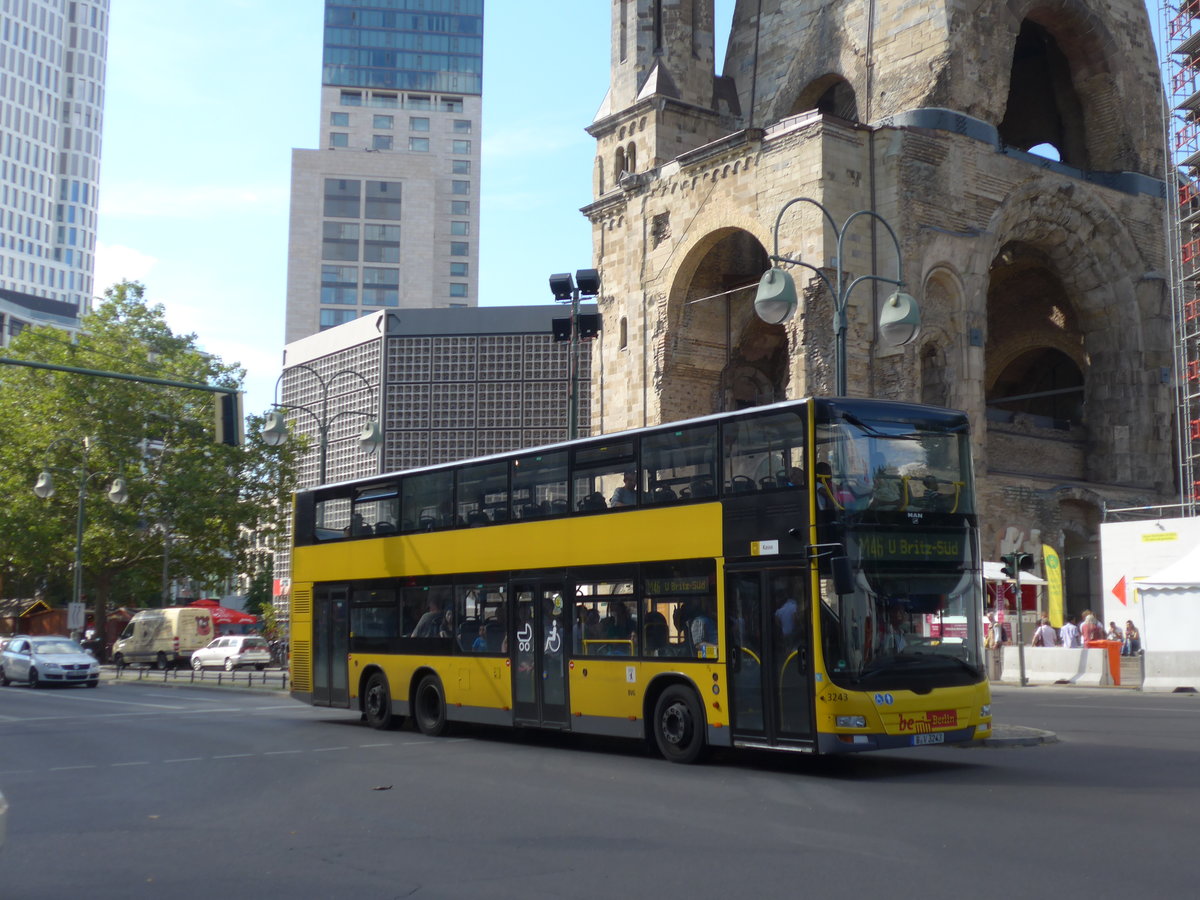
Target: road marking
(369, 746)
(185, 759)
(326, 749)
(119, 765)
(281, 752)
(70, 768)
(234, 756)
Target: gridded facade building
(52, 70)
(445, 384)
(386, 213)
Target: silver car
(47, 660)
(233, 651)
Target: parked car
(233, 652)
(46, 660)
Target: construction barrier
(1171, 670)
(1058, 665)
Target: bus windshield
(872, 463)
(896, 507)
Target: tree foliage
(215, 505)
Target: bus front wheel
(429, 708)
(679, 725)
(377, 703)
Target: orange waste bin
(1114, 658)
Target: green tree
(212, 504)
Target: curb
(1015, 736)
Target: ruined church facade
(1041, 282)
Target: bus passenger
(430, 624)
(626, 494)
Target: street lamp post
(586, 284)
(44, 488)
(275, 430)
(776, 299)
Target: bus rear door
(538, 652)
(770, 640)
(331, 644)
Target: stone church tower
(1041, 282)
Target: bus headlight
(851, 721)
(985, 711)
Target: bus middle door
(539, 655)
(770, 640)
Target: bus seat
(467, 631)
(664, 495)
(385, 528)
(656, 633)
(592, 502)
(493, 633)
(742, 484)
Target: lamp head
(899, 320)
(118, 492)
(775, 301)
(45, 485)
(370, 439)
(588, 281)
(274, 431)
(562, 286)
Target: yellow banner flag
(1054, 584)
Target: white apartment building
(385, 215)
(52, 69)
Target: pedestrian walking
(1069, 636)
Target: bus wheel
(679, 725)
(377, 703)
(429, 710)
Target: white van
(163, 638)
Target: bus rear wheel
(429, 707)
(679, 725)
(377, 703)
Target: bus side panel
(301, 635)
(477, 688)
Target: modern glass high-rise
(52, 67)
(386, 213)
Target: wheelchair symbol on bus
(554, 638)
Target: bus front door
(539, 642)
(331, 644)
(770, 641)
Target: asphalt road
(143, 790)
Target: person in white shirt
(1045, 635)
(1069, 634)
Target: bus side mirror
(843, 575)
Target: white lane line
(369, 746)
(327, 749)
(234, 756)
(282, 752)
(90, 697)
(185, 759)
(120, 765)
(70, 768)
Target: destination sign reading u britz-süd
(935, 547)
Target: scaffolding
(1181, 76)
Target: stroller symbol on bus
(525, 638)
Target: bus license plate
(936, 737)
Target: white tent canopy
(992, 572)
(1184, 572)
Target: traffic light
(227, 409)
(1017, 562)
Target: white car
(233, 652)
(47, 660)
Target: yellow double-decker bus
(803, 576)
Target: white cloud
(115, 263)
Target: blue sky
(207, 98)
